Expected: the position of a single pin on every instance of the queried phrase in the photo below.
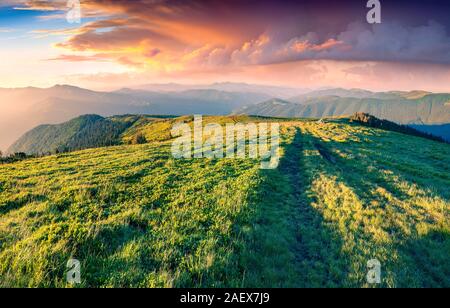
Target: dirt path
(292, 167)
(314, 240)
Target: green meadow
(134, 216)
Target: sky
(304, 44)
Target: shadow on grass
(410, 261)
(318, 250)
(424, 261)
(19, 202)
(105, 259)
(287, 244)
(412, 165)
(355, 173)
(277, 240)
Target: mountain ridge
(90, 131)
(26, 108)
(83, 132)
(429, 109)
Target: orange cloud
(214, 33)
(41, 5)
(80, 58)
(180, 38)
(330, 43)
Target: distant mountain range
(272, 91)
(430, 109)
(26, 108)
(203, 101)
(426, 111)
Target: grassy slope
(136, 217)
(386, 198)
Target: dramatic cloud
(394, 42)
(184, 36)
(243, 33)
(359, 42)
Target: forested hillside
(80, 133)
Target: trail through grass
(136, 217)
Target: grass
(136, 217)
(386, 197)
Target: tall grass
(136, 217)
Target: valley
(26, 108)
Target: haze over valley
(25, 108)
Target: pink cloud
(152, 53)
